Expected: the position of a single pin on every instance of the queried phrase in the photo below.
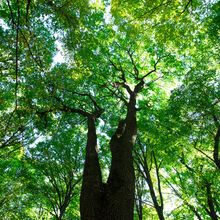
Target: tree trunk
(159, 208)
(91, 192)
(121, 181)
(216, 148)
(139, 208)
(212, 213)
(114, 200)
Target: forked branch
(136, 71)
(122, 77)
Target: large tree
(121, 59)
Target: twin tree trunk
(114, 199)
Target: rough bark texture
(121, 181)
(114, 200)
(91, 192)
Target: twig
(187, 5)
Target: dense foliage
(107, 48)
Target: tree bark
(91, 192)
(159, 208)
(121, 181)
(139, 208)
(212, 213)
(114, 200)
(216, 148)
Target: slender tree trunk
(139, 208)
(139, 197)
(159, 208)
(91, 192)
(192, 208)
(216, 148)
(212, 213)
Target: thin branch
(182, 160)
(66, 108)
(123, 74)
(124, 85)
(155, 67)
(152, 10)
(119, 69)
(191, 207)
(17, 55)
(185, 8)
(136, 71)
(148, 203)
(202, 152)
(97, 107)
(140, 85)
(27, 9)
(210, 202)
(143, 153)
(154, 80)
(17, 27)
(122, 98)
(11, 13)
(172, 187)
(140, 163)
(98, 110)
(12, 138)
(122, 77)
(38, 62)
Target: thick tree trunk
(114, 200)
(120, 194)
(121, 181)
(91, 192)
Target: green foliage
(42, 142)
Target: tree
(58, 172)
(120, 67)
(143, 158)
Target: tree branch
(155, 68)
(122, 77)
(202, 152)
(185, 8)
(136, 71)
(98, 109)
(27, 9)
(17, 27)
(151, 11)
